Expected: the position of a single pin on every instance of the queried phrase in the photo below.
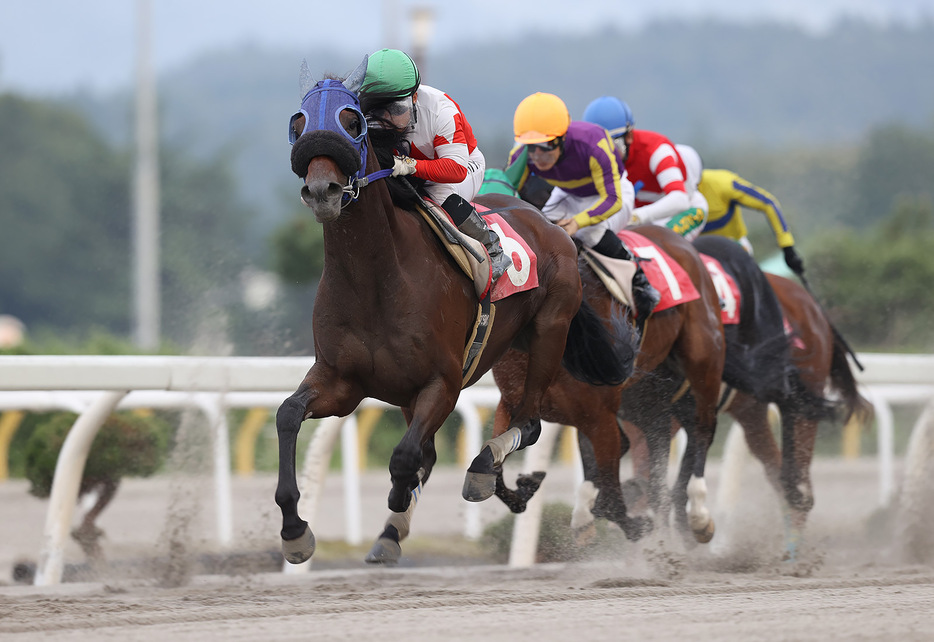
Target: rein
(351, 191)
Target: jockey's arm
(673, 202)
(753, 197)
(606, 175)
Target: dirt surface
(851, 582)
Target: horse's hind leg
(798, 437)
(527, 484)
(546, 347)
(753, 416)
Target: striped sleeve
(605, 172)
(748, 195)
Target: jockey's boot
(645, 295)
(472, 224)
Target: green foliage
(65, 212)
(555, 539)
(876, 284)
(298, 250)
(126, 445)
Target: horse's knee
(290, 415)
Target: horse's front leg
(411, 464)
(321, 394)
(387, 549)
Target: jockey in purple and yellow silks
(592, 198)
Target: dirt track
(849, 584)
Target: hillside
(717, 86)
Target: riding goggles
(549, 146)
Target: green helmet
(390, 75)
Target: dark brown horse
(818, 359)
(686, 339)
(394, 314)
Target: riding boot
(645, 295)
(472, 224)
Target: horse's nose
(323, 197)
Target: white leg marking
(504, 444)
(583, 506)
(698, 515)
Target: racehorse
(818, 356)
(686, 339)
(393, 313)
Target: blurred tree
(65, 250)
(894, 163)
(876, 284)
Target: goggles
(549, 146)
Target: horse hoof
(585, 535)
(638, 527)
(385, 551)
(479, 486)
(704, 535)
(300, 549)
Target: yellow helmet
(540, 118)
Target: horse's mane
(385, 141)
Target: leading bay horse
(393, 314)
(687, 339)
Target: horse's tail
(598, 356)
(761, 369)
(843, 382)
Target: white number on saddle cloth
(651, 252)
(722, 285)
(514, 250)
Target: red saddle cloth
(664, 273)
(523, 275)
(727, 289)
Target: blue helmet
(610, 113)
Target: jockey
(726, 192)
(442, 148)
(653, 163)
(592, 198)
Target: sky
(57, 46)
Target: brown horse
(687, 339)
(818, 356)
(393, 314)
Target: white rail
(92, 385)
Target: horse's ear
(355, 80)
(305, 81)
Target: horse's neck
(360, 247)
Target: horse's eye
(350, 121)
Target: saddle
(479, 273)
(616, 274)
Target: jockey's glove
(403, 166)
(793, 260)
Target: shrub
(127, 445)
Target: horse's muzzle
(324, 199)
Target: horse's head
(329, 148)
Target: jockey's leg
(688, 223)
(472, 224)
(645, 295)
